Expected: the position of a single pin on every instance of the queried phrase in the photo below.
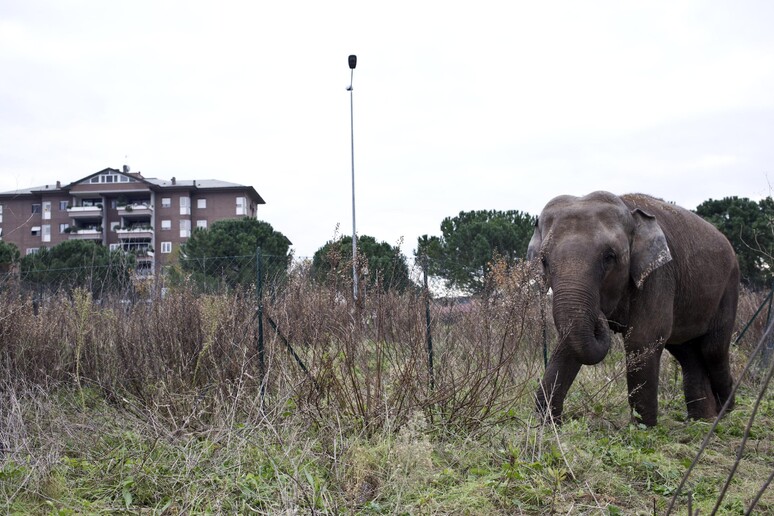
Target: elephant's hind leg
(719, 374)
(699, 396)
(715, 344)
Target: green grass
(103, 457)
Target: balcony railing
(85, 212)
(85, 234)
(135, 210)
(134, 233)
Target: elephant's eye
(608, 258)
(544, 261)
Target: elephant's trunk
(582, 327)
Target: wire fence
(300, 339)
(310, 319)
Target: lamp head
(352, 62)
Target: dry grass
(162, 407)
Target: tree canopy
(470, 242)
(9, 255)
(226, 251)
(78, 263)
(381, 265)
(749, 226)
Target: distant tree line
(462, 255)
(71, 264)
(749, 226)
(470, 243)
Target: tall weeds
(366, 362)
(181, 387)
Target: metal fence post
(768, 348)
(428, 331)
(259, 293)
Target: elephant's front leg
(560, 373)
(642, 372)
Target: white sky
(499, 106)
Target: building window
(1, 213)
(109, 177)
(241, 205)
(36, 208)
(185, 228)
(201, 224)
(35, 230)
(114, 226)
(166, 247)
(166, 202)
(31, 250)
(63, 205)
(166, 224)
(115, 247)
(63, 228)
(47, 210)
(46, 233)
(201, 204)
(185, 206)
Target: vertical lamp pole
(352, 65)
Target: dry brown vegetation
(162, 405)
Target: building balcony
(141, 233)
(85, 212)
(141, 254)
(138, 210)
(85, 234)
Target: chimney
(173, 180)
(58, 185)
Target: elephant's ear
(649, 247)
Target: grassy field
(162, 408)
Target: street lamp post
(352, 65)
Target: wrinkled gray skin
(658, 274)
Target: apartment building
(122, 210)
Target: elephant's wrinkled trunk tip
(589, 342)
(596, 349)
(582, 323)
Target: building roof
(197, 184)
(31, 190)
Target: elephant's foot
(731, 404)
(649, 418)
(704, 408)
(548, 411)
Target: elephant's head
(594, 251)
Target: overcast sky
(499, 106)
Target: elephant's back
(703, 268)
(685, 231)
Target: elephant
(658, 274)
